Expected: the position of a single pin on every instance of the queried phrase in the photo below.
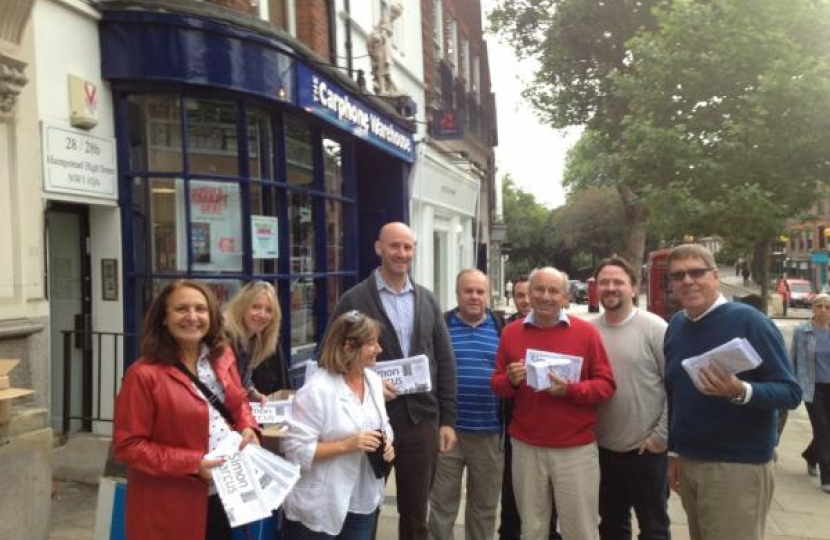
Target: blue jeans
(356, 527)
(629, 480)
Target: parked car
(578, 291)
(796, 292)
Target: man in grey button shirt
(424, 423)
(632, 425)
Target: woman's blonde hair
(344, 338)
(262, 345)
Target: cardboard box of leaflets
(7, 393)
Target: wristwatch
(740, 398)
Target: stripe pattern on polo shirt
(475, 354)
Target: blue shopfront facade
(242, 157)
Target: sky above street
(532, 153)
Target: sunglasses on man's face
(694, 273)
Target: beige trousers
(726, 501)
(568, 475)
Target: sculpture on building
(380, 52)
(12, 81)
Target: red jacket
(540, 419)
(161, 434)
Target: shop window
(333, 166)
(301, 238)
(335, 287)
(303, 322)
(264, 228)
(335, 237)
(299, 157)
(260, 145)
(226, 213)
(155, 133)
(163, 222)
(212, 142)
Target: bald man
(552, 430)
(413, 321)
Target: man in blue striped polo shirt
(474, 332)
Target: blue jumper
(712, 428)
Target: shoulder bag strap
(212, 398)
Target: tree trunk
(636, 226)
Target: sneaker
(812, 469)
(825, 488)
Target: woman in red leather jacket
(164, 426)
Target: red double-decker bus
(659, 296)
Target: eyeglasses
(353, 316)
(694, 273)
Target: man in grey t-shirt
(632, 425)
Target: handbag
(212, 398)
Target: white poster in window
(215, 226)
(264, 237)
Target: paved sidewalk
(800, 511)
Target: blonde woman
(339, 434)
(252, 322)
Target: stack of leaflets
(734, 356)
(540, 363)
(408, 375)
(252, 482)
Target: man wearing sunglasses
(423, 423)
(721, 438)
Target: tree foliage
(706, 116)
(591, 223)
(529, 228)
(578, 46)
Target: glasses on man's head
(353, 316)
(694, 273)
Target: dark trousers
(819, 413)
(510, 527)
(629, 480)
(356, 527)
(416, 452)
(218, 527)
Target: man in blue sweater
(721, 438)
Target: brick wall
(313, 26)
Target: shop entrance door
(70, 313)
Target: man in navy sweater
(721, 438)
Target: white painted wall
(67, 41)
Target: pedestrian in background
(552, 431)
(810, 353)
(722, 436)
(252, 321)
(166, 422)
(474, 333)
(632, 426)
(413, 323)
(338, 419)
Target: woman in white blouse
(338, 418)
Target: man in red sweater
(552, 430)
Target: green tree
(727, 121)
(590, 226)
(578, 45)
(529, 228)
